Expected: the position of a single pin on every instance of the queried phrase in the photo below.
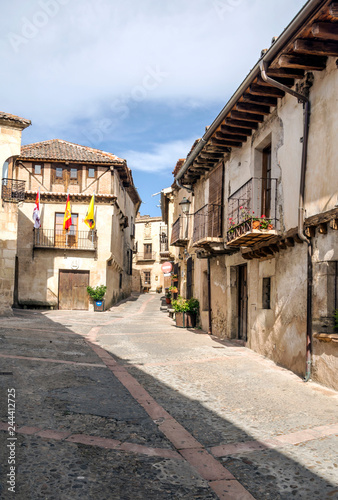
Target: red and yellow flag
(67, 220)
(89, 219)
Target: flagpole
(67, 229)
(93, 215)
(38, 238)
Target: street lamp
(185, 205)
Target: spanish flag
(89, 219)
(67, 220)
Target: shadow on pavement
(73, 397)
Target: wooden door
(242, 302)
(215, 202)
(73, 290)
(266, 182)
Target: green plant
(183, 305)
(96, 293)
(264, 222)
(168, 295)
(173, 289)
(335, 315)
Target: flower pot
(255, 224)
(99, 305)
(168, 301)
(179, 318)
(185, 319)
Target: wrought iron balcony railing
(179, 233)
(13, 191)
(59, 239)
(252, 212)
(145, 256)
(164, 244)
(208, 224)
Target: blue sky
(140, 79)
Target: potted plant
(97, 294)
(168, 297)
(185, 312)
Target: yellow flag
(89, 219)
(67, 220)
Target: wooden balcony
(179, 234)
(208, 226)
(145, 256)
(252, 213)
(59, 239)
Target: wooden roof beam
(211, 156)
(259, 99)
(240, 124)
(328, 31)
(213, 148)
(317, 47)
(239, 115)
(225, 142)
(220, 135)
(236, 131)
(310, 63)
(289, 82)
(248, 107)
(265, 91)
(285, 72)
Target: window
(58, 172)
(73, 173)
(65, 238)
(190, 277)
(37, 169)
(146, 277)
(91, 173)
(120, 282)
(266, 295)
(129, 262)
(148, 250)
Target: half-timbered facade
(55, 266)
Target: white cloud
(162, 158)
(84, 55)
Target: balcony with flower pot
(252, 213)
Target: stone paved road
(124, 405)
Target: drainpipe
(307, 109)
(209, 299)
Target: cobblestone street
(124, 405)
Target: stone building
(54, 267)
(262, 199)
(151, 251)
(11, 193)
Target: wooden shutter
(215, 202)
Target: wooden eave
(307, 50)
(51, 197)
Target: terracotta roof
(14, 120)
(56, 149)
(178, 166)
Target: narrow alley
(123, 405)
